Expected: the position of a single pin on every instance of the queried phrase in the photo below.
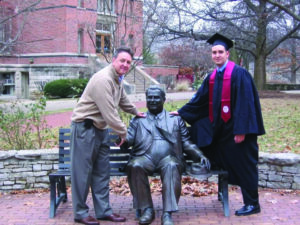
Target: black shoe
(147, 216)
(248, 210)
(166, 219)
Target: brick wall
(161, 70)
(53, 28)
(132, 25)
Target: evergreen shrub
(65, 88)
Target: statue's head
(155, 97)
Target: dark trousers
(250, 197)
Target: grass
(281, 120)
(282, 124)
(59, 111)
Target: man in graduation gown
(225, 118)
(158, 142)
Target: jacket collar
(115, 76)
(159, 116)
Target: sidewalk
(63, 119)
(277, 208)
(54, 105)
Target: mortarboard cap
(218, 39)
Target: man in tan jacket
(97, 110)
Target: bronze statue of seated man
(158, 142)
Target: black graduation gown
(216, 139)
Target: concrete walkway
(53, 105)
(63, 119)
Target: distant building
(61, 39)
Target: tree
(148, 56)
(246, 22)
(285, 61)
(187, 54)
(119, 25)
(10, 32)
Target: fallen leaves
(273, 201)
(279, 218)
(29, 203)
(190, 187)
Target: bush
(78, 86)
(64, 88)
(24, 126)
(197, 84)
(182, 86)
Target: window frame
(106, 6)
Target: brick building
(63, 39)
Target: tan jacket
(100, 100)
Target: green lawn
(281, 120)
(282, 124)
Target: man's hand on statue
(141, 114)
(239, 138)
(205, 161)
(120, 141)
(174, 113)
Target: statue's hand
(205, 161)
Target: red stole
(226, 90)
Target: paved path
(54, 105)
(63, 119)
(277, 208)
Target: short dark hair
(156, 87)
(123, 49)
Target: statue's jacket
(172, 128)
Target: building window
(103, 43)
(105, 6)
(103, 27)
(7, 83)
(80, 41)
(81, 3)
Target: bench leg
(58, 193)
(220, 191)
(223, 193)
(62, 190)
(52, 196)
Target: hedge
(65, 88)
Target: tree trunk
(260, 72)
(293, 63)
(261, 46)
